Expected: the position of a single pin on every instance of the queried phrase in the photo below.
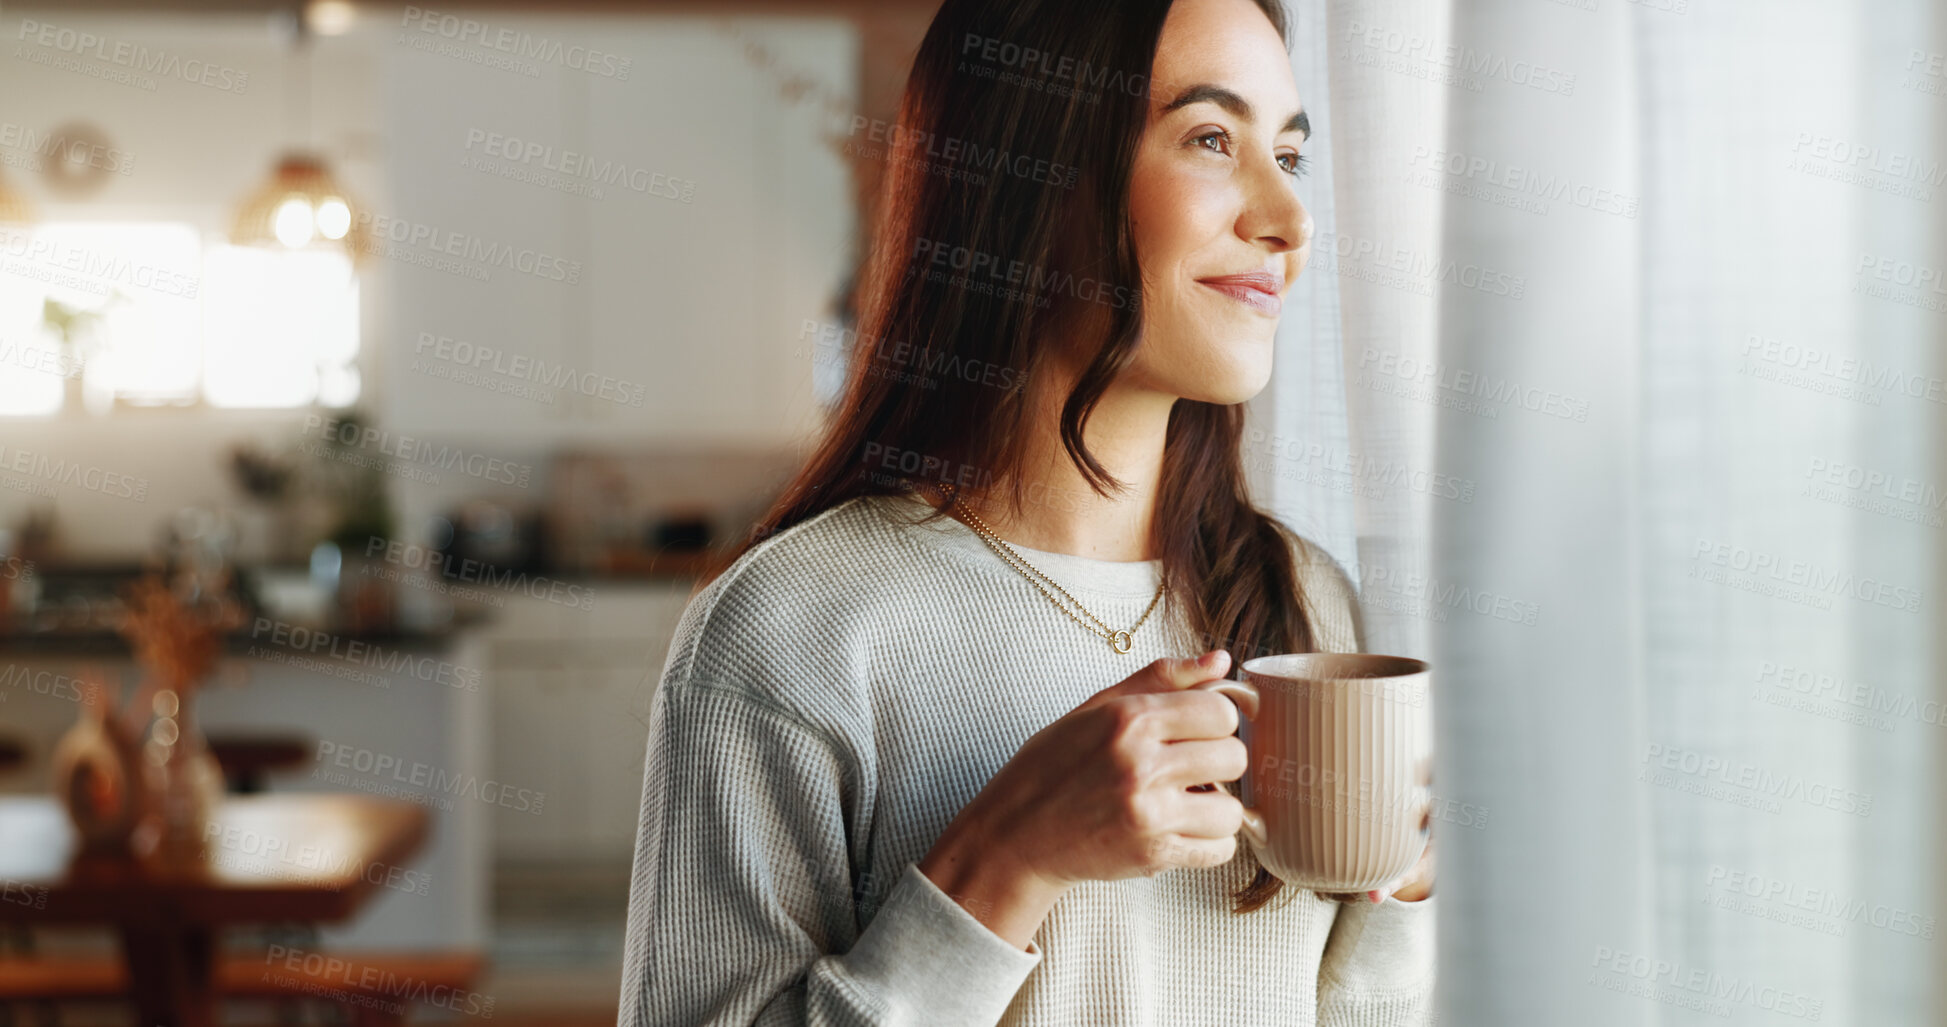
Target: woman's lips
(1258, 291)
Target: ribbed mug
(1339, 746)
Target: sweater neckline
(947, 535)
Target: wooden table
(272, 858)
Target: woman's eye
(1220, 137)
(1293, 164)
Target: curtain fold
(1619, 380)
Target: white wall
(698, 303)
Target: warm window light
(330, 17)
(253, 327)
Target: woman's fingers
(1207, 815)
(1190, 715)
(1177, 851)
(1418, 882)
(1202, 761)
(1166, 675)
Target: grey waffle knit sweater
(833, 700)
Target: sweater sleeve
(1378, 966)
(741, 901)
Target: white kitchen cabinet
(448, 224)
(707, 215)
(570, 699)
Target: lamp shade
(301, 206)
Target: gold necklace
(1119, 640)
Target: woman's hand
(1416, 885)
(1102, 794)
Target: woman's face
(1219, 232)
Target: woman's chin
(1237, 386)
(1225, 394)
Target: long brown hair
(1004, 230)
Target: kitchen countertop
(103, 643)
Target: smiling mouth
(1256, 291)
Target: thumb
(1168, 675)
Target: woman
(886, 782)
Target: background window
(145, 314)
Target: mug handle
(1245, 696)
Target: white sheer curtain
(1653, 471)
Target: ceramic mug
(1338, 744)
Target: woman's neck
(1060, 512)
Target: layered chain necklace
(1119, 640)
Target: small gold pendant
(1121, 642)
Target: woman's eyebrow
(1229, 100)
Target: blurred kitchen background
(418, 356)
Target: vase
(97, 777)
(183, 784)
